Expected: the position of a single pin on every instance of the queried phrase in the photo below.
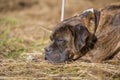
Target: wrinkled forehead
(63, 28)
(60, 32)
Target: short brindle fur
(92, 36)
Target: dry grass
(40, 69)
(25, 30)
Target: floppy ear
(81, 35)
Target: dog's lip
(53, 62)
(48, 59)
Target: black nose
(47, 49)
(45, 58)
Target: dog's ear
(81, 34)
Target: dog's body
(108, 36)
(92, 35)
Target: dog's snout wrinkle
(47, 49)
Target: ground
(22, 70)
(25, 26)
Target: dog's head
(67, 41)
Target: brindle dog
(91, 35)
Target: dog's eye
(60, 40)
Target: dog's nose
(47, 49)
(45, 58)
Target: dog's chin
(55, 59)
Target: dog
(92, 36)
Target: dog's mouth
(56, 57)
(61, 57)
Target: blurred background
(25, 24)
